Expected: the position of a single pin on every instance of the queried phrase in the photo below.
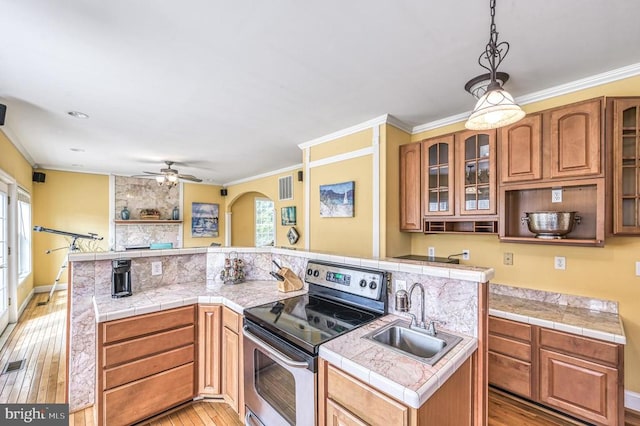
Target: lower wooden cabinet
(578, 375)
(231, 359)
(146, 365)
(346, 401)
(209, 326)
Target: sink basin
(414, 343)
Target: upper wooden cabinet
(410, 198)
(558, 144)
(520, 150)
(476, 172)
(625, 139)
(438, 176)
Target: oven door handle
(272, 351)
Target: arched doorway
(253, 221)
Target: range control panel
(363, 282)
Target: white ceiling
(229, 89)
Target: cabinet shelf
(146, 222)
(563, 241)
(460, 226)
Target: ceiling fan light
(494, 109)
(160, 180)
(172, 178)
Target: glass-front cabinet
(438, 176)
(477, 172)
(626, 148)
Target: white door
(4, 258)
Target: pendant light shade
(494, 109)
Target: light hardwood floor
(39, 338)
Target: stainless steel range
(281, 339)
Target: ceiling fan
(170, 177)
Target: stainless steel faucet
(403, 304)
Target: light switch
(637, 269)
(156, 268)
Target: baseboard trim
(25, 302)
(632, 400)
(47, 288)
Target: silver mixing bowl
(551, 225)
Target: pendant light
(496, 107)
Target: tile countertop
(581, 321)
(397, 375)
(237, 297)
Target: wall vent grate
(285, 188)
(13, 366)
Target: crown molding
(399, 124)
(264, 175)
(552, 92)
(345, 132)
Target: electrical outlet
(637, 269)
(401, 285)
(156, 268)
(560, 262)
(465, 254)
(556, 195)
(431, 252)
(508, 258)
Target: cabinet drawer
(581, 346)
(512, 348)
(130, 350)
(146, 367)
(128, 328)
(363, 401)
(143, 398)
(510, 374)
(510, 328)
(230, 319)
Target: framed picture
(204, 220)
(336, 200)
(288, 215)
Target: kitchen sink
(415, 343)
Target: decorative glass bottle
(124, 214)
(175, 214)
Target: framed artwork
(204, 220)
(288, 215)
(336, 200)
(293, 236)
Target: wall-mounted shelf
(146, 222)
(461, 226)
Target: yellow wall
(14, 164)
(193, 193)
(606, 273)
(242, 223)
(71, 202)
(396, 243)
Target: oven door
(279, 380)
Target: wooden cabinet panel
(476, 173)
(130, 350)
(510, 328)
(231, 319)
(521, 150)
(145, 367)
(596, 350)
(575, 140)
(512, 348)
(582, 388)
(363, 401)
(230, 367)
(209, 356)
(510, 374)
(438, 176)
(338, 416)
(146, 324)
(410, 201)
(143, 398)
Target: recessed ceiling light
(78, 114)
(76, 149)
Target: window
(24, 234)
(265, 223)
